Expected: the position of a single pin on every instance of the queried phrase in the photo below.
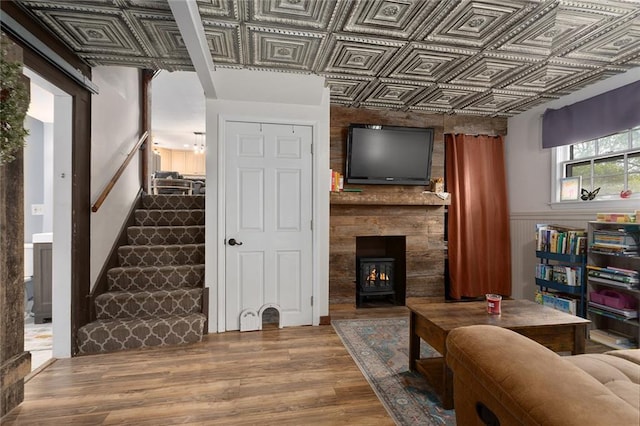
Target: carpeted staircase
(155, 296)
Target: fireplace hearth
(375, 277)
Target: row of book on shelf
(617, 277)
(557, 301)
(563, 274)
(617, 242)
(561, 239)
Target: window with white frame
(611, 163)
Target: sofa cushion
(606, 368)
(627, 391)
(619, 372)
(632, 355)
(522, 382)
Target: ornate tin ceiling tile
(287, 14)
(529, 103)
(346, 87)
(99, 30)
(278, 48)
(389, 18)
(165, 37)
(430, 63)
(547, 78)
(586, 79)
(614, 44)
(223, 40)
(487, 71)
(445, 97)
(477, 23)
(553, 31)
(145, 4)
(495, 101)
(218, 8)
(394, 92)
(358, 56)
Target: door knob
(233, 242)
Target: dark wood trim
(146, 76)
(102, 283)
(325, 320)
(205, 309)
(107, 189)
(388, 199)
(80, 159)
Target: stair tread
(157, 318)
(149, 278)
(148, 304)
(166, 217)
(143, 293)
(166, 226)
(165, 234)
(164, 268)
(109, 335)
(171, 201)
(159, 246)
(170, 210)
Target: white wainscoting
(523, 251)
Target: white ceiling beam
(189, 23)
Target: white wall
(177, 109)
(529, 184)
(278, 98)
(115, 116)
(39, 173)
(34, 178)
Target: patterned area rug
(380, 348)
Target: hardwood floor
(299, 375)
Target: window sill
(603, 206)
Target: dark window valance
(599, 116)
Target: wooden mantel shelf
(397, 199)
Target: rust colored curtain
(479, 238)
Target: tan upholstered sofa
(502, 377)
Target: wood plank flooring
(298, 375)
(291, 376)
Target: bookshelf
(561, 269)
(613, 283)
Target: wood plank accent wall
(423, 225)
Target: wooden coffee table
(432, 322)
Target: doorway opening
(47, 208)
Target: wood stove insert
(375, 277)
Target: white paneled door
(268, 245)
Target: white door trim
(221, 206)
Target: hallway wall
(33, 177)
(115, 117)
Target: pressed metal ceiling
(489, 57)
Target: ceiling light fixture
(198, 146)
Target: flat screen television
(389, 155)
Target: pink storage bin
(613, 298)
(596, 297)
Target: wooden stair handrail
(118, 173)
